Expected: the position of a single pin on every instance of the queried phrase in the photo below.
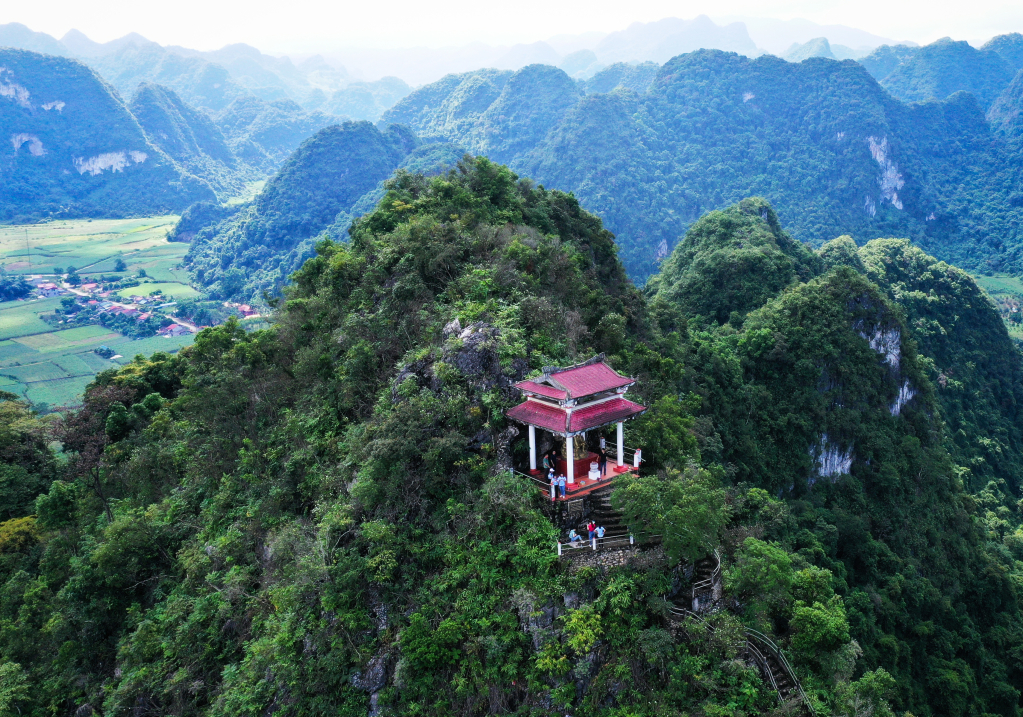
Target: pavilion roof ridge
(548, 371)
(553, 382)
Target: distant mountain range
(212, 80)
(76, 148)
(335, 82)
(73, 149)
(908, 141)
(821, 139)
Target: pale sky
(313, 25)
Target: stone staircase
(603, 514)
(757, 648)
(595, 507)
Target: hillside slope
(264, 134)
(319, 518)
(256, 248)
(188, 136)
(945, 67)
(820, 139)
(74, 149)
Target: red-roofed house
(568, 402)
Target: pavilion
(568, 402)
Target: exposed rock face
(76, 150)
(473, 351)
(477, 356)
(374, 677)
(830, 460)
(891, 180)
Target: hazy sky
(313, 25)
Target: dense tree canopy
(318, 518)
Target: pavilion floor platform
(584, 486)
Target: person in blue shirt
(600, 532)
(574, 537)
(562, 483)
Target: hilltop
(76, 150)
(830, 148)
(335, 176)
(319, 517)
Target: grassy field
(50, 366)
(1007, 293)
(1000, 284)
(21, 318)
(54, 367)
(177, 291)
(94, 246)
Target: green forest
(318, 518)
(906, 152)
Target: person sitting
(574, 537)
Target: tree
(762, 575)
(13, 688)
(867, 696)
(688, 509)
(119, 265)
(665, 433)
(13, 287)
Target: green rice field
(50, 366)
(177, 291)
(1007, 293)
(94, 246)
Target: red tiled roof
(541, 415)
(556, 419)
(578, 382)
(539, 388)
(588, 380)
(613, 411)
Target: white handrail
(540, 483)
(752, 637)
(709, 582)
(629, 454)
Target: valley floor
(50, 366)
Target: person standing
(562, 482)
(600, 532)
(592, 528)
(602, 460)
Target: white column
(621, 444)
(532, 448)
(570, 453)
